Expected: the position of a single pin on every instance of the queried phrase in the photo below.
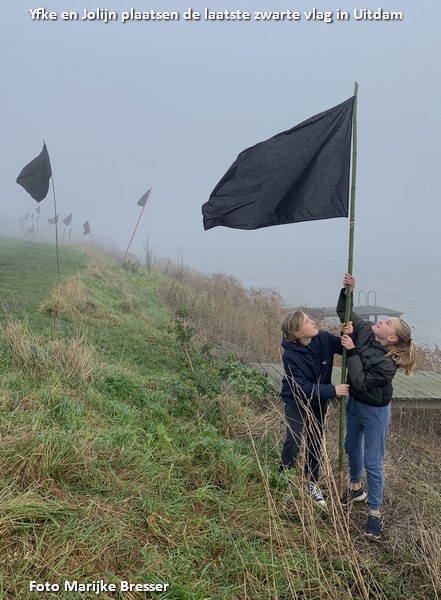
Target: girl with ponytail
(374, 354)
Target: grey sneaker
(373, 527)
(316, 494)
(350, 496)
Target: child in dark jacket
(306, 391)
(374, 353)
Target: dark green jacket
(370, 370)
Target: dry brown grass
(428, 358)
(223, 312)
(246, 321)
(68, 297)
(411, 541)
(339, 567)
(74, 358)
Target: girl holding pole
(374, 353)
(306, 391)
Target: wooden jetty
(369, 310)
(421, 390)
(372, 311)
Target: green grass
(124, 450)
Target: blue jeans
(368, 424)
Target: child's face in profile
(309, 327)
(385, 329)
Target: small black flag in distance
(53, 220)
(86, 228)
(298, 175)
(35, 176)
(143, 200)
(68, 219)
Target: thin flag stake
(56, 228)
(134, 231)
(348, 288)
(56, 224)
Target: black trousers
(308, 419)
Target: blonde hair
(292, 324)
(403, 351)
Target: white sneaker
(316, 494)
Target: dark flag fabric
(86, 228)
(35, 176)
(38, 210)
(53, 220)
(143, 200)
(68, 219)
(301, 174)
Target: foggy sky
(169, 105)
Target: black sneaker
(373, 527)
(350, 496)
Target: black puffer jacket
(308, 369)
(370, 370)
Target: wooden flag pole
(348, 289)
(134, 231)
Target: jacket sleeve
(302, 388)
(374, 373)
(357, 321)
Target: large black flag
(298, 175)
(35, 176)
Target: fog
(169, 104)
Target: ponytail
(403, 352)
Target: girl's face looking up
(309, 327)
(385, 330)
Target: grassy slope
(124, 452)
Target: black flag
(298, 175)
(68, 219)
(53, 220)
(143, 200)
(86, 228)
(35, 176)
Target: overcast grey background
(169, 105)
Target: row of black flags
(301, 174)
(35, 178)
(35, 228)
